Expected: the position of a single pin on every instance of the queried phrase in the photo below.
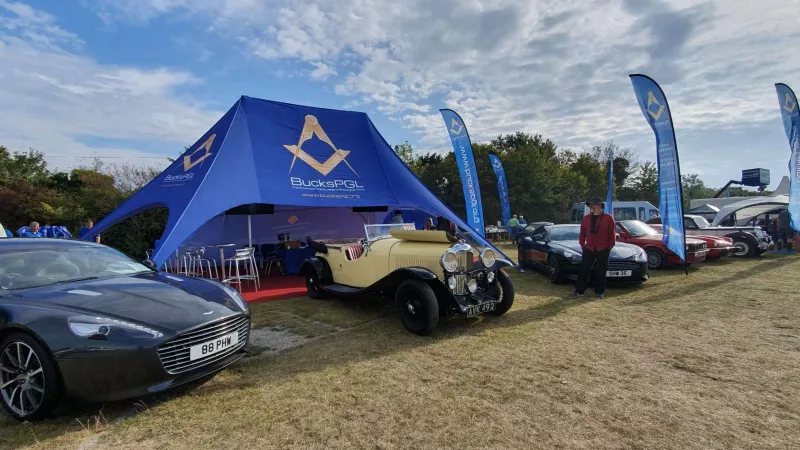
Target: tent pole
(249, 232)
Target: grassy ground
(709, 361)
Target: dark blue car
(554, 250)
(81, 320)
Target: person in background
(785, 233)
(513, 226)
(33, 231)
(85, 230)
(597, 237)
(398, 217)
(522, 221)
(429, 224)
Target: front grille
(622, 265)
(464, 259)
(174, 354)
(695, 247)
(461, 284)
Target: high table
(221, 248)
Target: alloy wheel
(22, 378)
(654, 259)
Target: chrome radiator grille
(464, 259)
(695, 247)
(461, 284)
(174, 354)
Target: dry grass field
(708, 361)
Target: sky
(143, 79)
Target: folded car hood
(165, 301)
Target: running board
(341, 289)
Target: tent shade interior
(272, 153)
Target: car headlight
(571, 255)
(235, 296)
(641, 256)
(450, 261)
(232, 293)
(102, 327)
(472, 285)
(451, 283)
(488, 257)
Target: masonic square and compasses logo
(456, 127)
(654, 108)
(789, 105)
(310, 128)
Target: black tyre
(30, 386)
(745, 248)
(505, 294)
(417, 307)
(554, 270)
(656, 258)
(312, 284)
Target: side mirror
(150, 264)
(538, 237)
(618, 236)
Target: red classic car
(717, 246)
(658, 255)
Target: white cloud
(322, 71)
(63, 103)
(558, 68)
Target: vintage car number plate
(480, 309)
(618, 273)
(214, 346)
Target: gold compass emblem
(310, 128)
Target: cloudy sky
(144, 78)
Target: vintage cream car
(430, 274)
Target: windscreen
(42, 267)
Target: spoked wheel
(312, 285)
(29, 384)
(417, 307)
(505, 293)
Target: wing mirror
(618, 236)
(538, 237)
(150, 264)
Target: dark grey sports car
(81, 320)
(555, 250)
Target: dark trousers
(598, 259)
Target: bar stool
(242, 255)
(198, 260)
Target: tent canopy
(266, 152)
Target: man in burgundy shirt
(597, 237)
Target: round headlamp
(472, 285)
(488, 257)
(451, 283)
(450, 261)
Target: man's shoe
(576, 294)
(600, 296)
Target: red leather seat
(353, 252)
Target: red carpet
(276, 288)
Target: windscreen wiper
(76, 279)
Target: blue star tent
(293, 158)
